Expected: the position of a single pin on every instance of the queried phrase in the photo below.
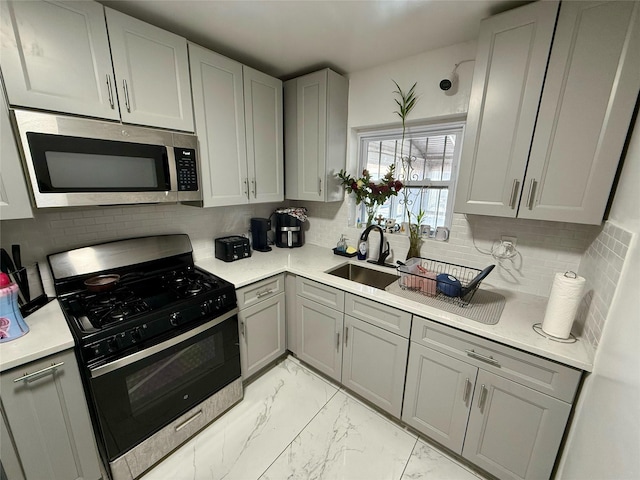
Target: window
(431, 156)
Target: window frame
(427, 129)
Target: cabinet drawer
(258, 291)
(318, 292)
(543, 375)
(391, 319)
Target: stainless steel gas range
(157, 343)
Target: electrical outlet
(506, 238)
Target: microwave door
(81, 162)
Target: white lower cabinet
(46, 413)
(501, 409)
(374, 363)
(319, 331)
(438, 395)
(514, 432)
(262, 324)
(340, 335)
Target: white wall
(604, 440)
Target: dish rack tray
(420, 275)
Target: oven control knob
(136, 335)
(112, 344)
(205, 308)
(175, 318)
(219, 303)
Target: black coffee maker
(289, 232)
(259, 229)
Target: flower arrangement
(370, 193)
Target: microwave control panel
(187, 169)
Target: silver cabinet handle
(110, 91)
(255, 188)
(319, 185)
(246, 187)
(28, 376)
(467, 390)
(242, 331)
(514, 191)
(188, 421)
(338, 341)
(346, 336)
(483, 397)
(532, 193)
(126, 95)
(482, 358)
(264, 293)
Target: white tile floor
(293, 424)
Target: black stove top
(138, 297)
(160, 294)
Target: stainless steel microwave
(72, 161)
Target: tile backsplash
(601, 266)
(59, 230)
(544, 248)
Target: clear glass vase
(415, 241)
(371, 212)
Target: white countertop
(48, 334)
(514, 329)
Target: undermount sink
(366, 276)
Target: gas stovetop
(157, 298)
(137, 297)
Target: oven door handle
(147, 352)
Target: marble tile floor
(293, 424)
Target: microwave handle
(173, 168)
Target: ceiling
(287, 38)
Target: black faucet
(383, 254)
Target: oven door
(137, 395)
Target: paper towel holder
(570, 274)
(537, 327)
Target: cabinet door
(514, 432)
(152, 73)
(374, 364)
(262, 334)
(319, 331)
(589, 95)
(49, 420)
(438, 395)
(263, 118)
(15, 201)
(219, 111)
(55, 56)
(312, 134)
(513, 49)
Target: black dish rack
(421, 275)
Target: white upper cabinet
(238, 114)
(55, 56)
(263, 120)
(152, 72)
(219, 111)
(14, 196)
(591, 86)
(316, 135)
(513, 49)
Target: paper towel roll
(566, 294)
